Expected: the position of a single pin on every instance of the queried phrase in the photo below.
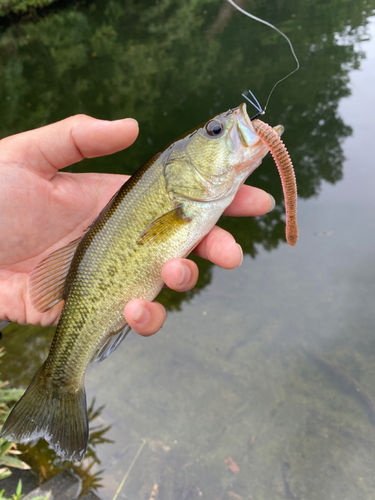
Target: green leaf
(19, 488)
(5, 446)
(4, 473)
(14, 462)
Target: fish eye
(215, 128)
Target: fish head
(229, 142)
(213, 160)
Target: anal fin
(111, 344)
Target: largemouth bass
(163, 211)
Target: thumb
(48, 149)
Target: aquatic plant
(18, 494)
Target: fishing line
(258, 107)
(129, 470)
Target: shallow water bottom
(249, 394)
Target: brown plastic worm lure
(288, 179)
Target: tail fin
(51, 412)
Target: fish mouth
(245, 128)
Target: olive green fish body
(110, 267)
(161, 212)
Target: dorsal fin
(47, 281)
(111, 344)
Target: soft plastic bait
(288, 179)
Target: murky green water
(273, 364)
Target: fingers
(47, 149)
(144, 317)
(250, 202)
(221, 248)
(180, 274)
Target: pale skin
(42, 209)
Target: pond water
(260, 384)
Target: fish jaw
(247, 142)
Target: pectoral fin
(163, 226)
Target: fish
(163, 211)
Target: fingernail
(126, 120)
(142, 316)
(132, 120)
(241, 257)
(273, 203)
(185, 274)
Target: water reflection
(229, 375)
(112, 60)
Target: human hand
(42, 209)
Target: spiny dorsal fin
(163, 226)
(47, 281)
(111, 344)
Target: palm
(49, 214)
